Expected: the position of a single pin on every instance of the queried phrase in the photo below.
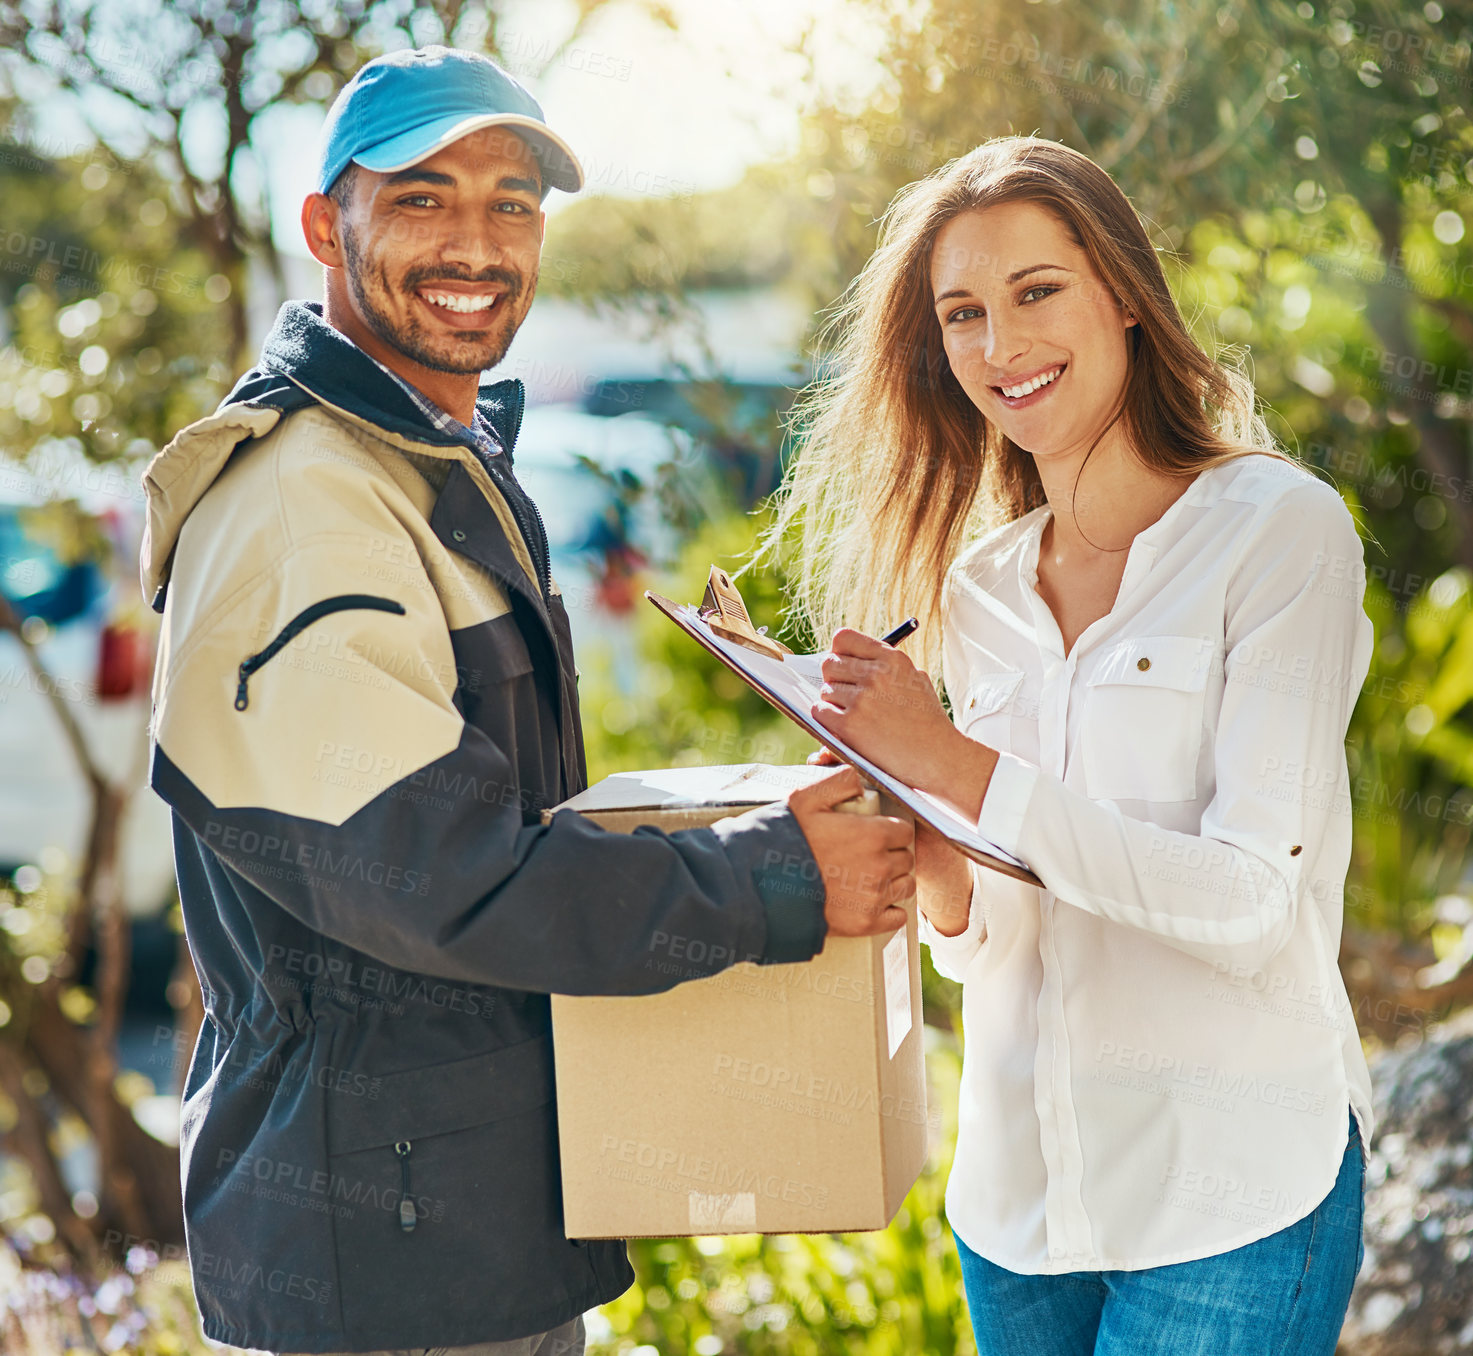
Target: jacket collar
(325, 362)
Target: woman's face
(1035, 338)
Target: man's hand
(944, 883)
(867, 861)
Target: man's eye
(416, 200)
(514, 208)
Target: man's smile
(461, 306)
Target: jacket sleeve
(337, 776)
(1297, 650)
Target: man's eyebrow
(415, 174)
(521, 185)
(1010, 280)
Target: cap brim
(560, 167)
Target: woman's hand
(882, 706)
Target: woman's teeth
(455, 302)
(1043, 379)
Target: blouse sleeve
(1231, 892)
(952, 955)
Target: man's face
(441, 258)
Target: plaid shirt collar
(478, 437)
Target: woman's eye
(1043, 289)
(964, 313)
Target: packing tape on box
(714, 1212)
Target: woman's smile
(1012, 291)
(1019, 393)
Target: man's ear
(321, 228)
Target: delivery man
(365, 698)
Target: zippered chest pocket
(1143, 719)
(343, 602)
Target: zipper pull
(242, 699)
(406, 1206)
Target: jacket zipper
(342, 603)
(406, 1203)
(536, 543)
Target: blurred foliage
(755, 233)
(686, 708)
(114, 340)
(1307, 170)
(1411, 758)
(146, 77)
(145, 1309)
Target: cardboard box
(764, 1099)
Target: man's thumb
(827, 793)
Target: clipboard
(790, 682)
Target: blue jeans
(1286, 1293)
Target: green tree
(149, 78)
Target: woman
(1151, 652)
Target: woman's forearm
(943, 883)
(961, 774)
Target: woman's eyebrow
(1033, 268)
(1009, 280)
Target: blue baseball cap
(405, 106)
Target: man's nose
(473, 242)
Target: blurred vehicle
(83, 613)
(740, 423)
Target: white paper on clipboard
(793, 685)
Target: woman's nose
(1005, 343)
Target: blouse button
(1296, 849)
(1143, 663)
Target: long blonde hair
(897, 469)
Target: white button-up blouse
(1159, 1049)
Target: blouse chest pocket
(987, 709)
(1143, 719)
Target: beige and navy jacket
(364, 699)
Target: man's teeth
(1043, 379)
(454, 301)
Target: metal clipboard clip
(724, 612)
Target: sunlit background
(1307, 173)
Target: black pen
(901, 631)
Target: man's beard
(486, 348)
